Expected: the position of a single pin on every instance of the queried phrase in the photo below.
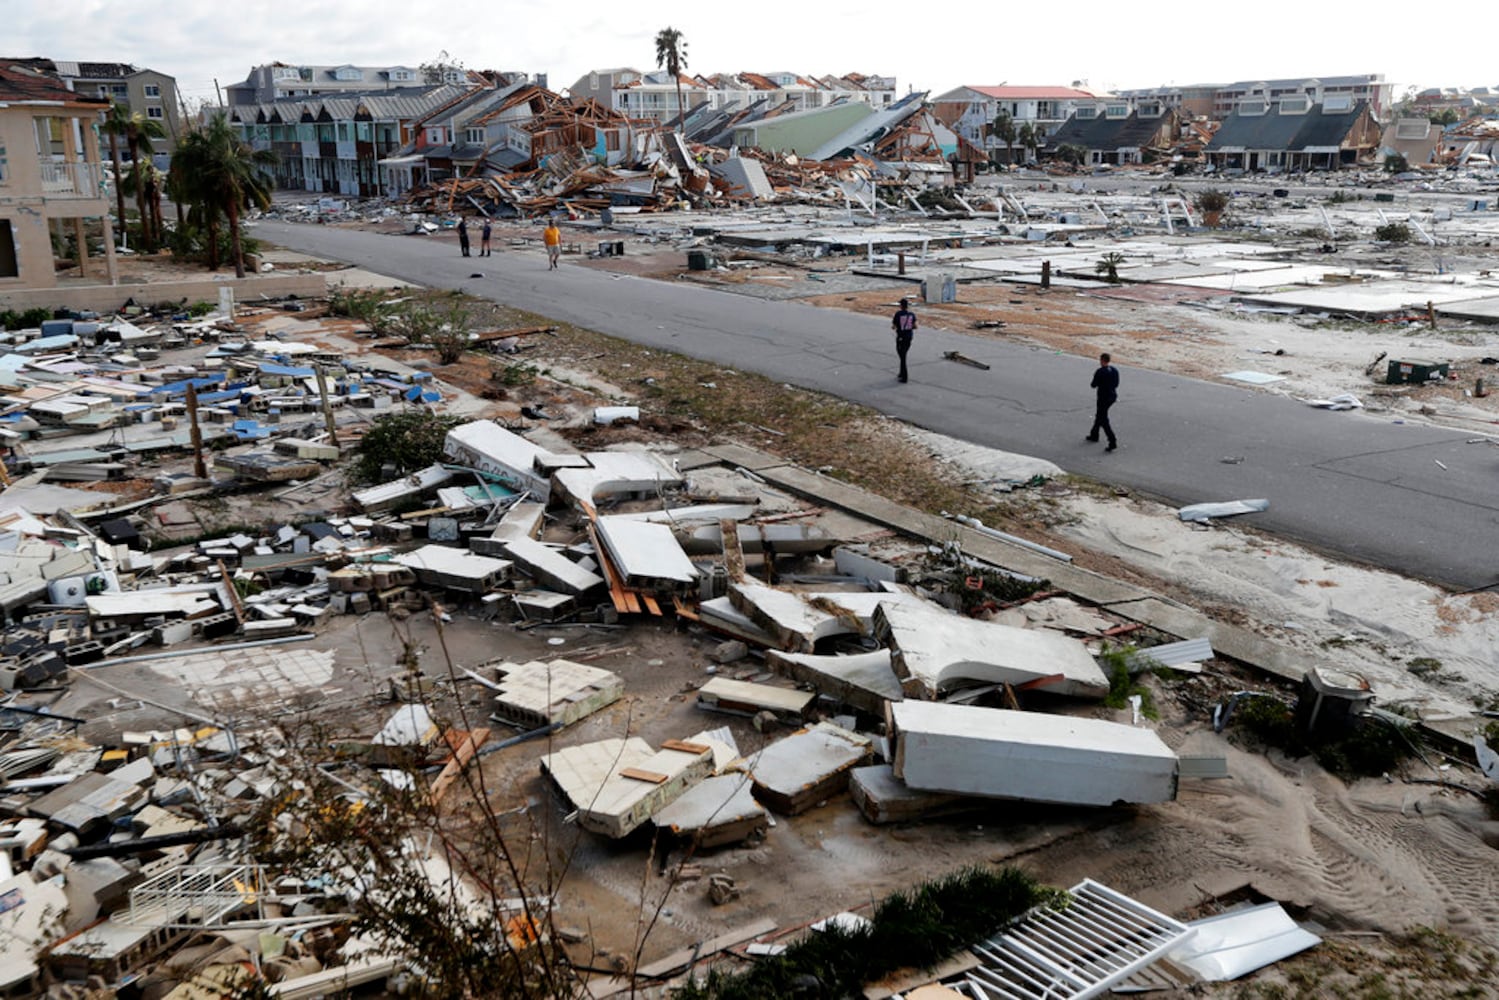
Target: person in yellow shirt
(552, 237)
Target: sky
(1102, 46)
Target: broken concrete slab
(615, 785)
(387, 495)
(794, 621)
(558, 692)
(795, 773)
(717, 810)
(612, 473)
(783, 539)
(88, 803)
(744, 698)
(486, 447)
(719, 614)
(547, 566)
(455, 569)
(646, 555)
(864, 681)
(998, 753)
(884, 798)
(934, 650)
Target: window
(4, 173)
(284, 73)
(9, 265)
(475, 135)
(401, 75)
(435, 136)
(120, 90)
(154, 111)
(153, 90)
(611, 141)
(1294, 105)
(1087, 112)
(1252, 107)
(1150, 109)
(1117, 111)
(348, 73)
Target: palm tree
(1029, 138)
(671, 54)
(1003, 129)
(220, 173)
(116, 122)
(139, 131)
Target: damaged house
(1293, 133)
(1116, 134)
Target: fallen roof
(558, 692)
(935, 650)
(617, 784)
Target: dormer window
(402, 76)
(1253, 108)
(1087, 112)
(1118, 111)
(348, 73)
(1295, 105)
(1338, 104)
(1150, 109)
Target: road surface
(1415, 499)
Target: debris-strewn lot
(381, 640)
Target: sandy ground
(1382, 856)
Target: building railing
(72, 180)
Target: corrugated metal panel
(1171, 654)
(1098, 940)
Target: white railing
(72, 180)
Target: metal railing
(72, 180)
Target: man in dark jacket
(904, 324)
(1106, 382)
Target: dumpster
(1406, 372)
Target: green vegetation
(1122, 684)
(908, 930)
(1396, 163)
(1393, 232)
(1108, 266)
(1212, 200)
(25, 320)
(1371, 746)
(408, 440)
(219, 176)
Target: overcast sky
(926, 47)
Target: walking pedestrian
(463, 235)
(904, 325)
(1106, 382)
(484, 239)
(552, 237)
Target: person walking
(484, 234)
(1106, 383)
(463, 235)
(904, 325)
(552, 237)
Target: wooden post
(322, 389)
(197, 435)
(1045, 274)
(1431, 314)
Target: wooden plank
(650, 604)
(467, 748)
(632, 602)
(679, 960)
(654, 777)
(685, 746)
(684, 609)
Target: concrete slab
(549, 567)
(486, 446)
(794, 622)
(742, 697)
(863, 680)
(795, 773)
(615, 785)
(536, 694)
(611, 473)
(934, 651)
(646, 555)
(716, 811)
(884, 798)
(998, 753)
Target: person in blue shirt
(904, 324)
(1106, 382)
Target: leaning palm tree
(231, 176)
(139, 131)
(116, 123)
(671, 55)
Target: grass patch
(1122, 684)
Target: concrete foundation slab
(862, 680)
(536, 694)
(794, 774)
(716, 811)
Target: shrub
(1393, 232)
(1212, 200)
(408, 440)
(1396, 163)
(35, 316)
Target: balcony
(72, 180)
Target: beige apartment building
(51, 179)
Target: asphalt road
(1365, 488)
